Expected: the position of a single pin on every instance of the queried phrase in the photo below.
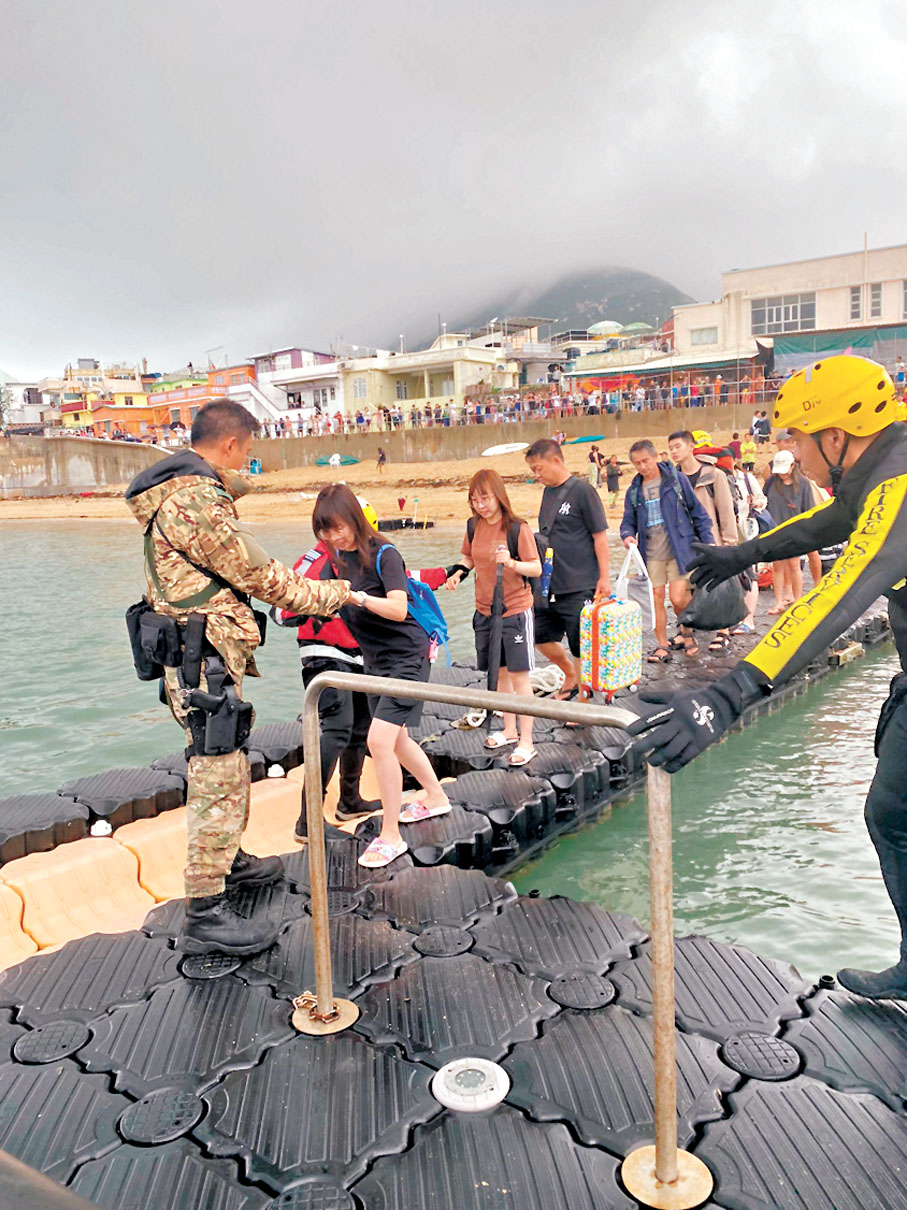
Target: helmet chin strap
(835, 469)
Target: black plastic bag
(715, 608)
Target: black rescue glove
(694, 718)
(715, 564)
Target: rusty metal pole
(663, 1176)
(658, 785)
(320, 1013)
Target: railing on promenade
(663, 1175)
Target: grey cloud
(214, 172)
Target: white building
(850, 298)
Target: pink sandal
(380, 853)
(417, 810)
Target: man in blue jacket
(663, 517)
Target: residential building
(855, 301)
(453, 369)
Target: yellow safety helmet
(843, 392)
(368, 512)
(701, 437)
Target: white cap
(782, 462)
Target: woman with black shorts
(496, 538)
(393, 644)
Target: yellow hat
(844, 392)
(368, 512)
(701, 437)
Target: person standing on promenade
(842, 412)
(663, 517)
(572, 522)
(201, 568)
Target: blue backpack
(423, 607)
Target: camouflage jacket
(186, 507)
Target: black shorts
(399, 710)
(517, 641)
(561, 617)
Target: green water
(770, 846)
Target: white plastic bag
(633, 584)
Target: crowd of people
(696, 512)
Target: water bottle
(547, 568)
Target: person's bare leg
(558, 654)
(779, 582)
(505, 685)
(680, 594)
(794, 580)
(414, 760)
(382, 741)
(661, 615)
(815, 566)
(521, 684)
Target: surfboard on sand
(345, 460)
(513, 448)
(583, 440)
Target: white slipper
(499, 740)
(417, 810)
(522, 756)
(381, 853)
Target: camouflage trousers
(217, 806)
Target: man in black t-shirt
(572, 520)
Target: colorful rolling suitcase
(610, 635)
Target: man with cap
(842, 412)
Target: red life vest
(316, 564)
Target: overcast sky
(186, 174)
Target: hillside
(580, 299)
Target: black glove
(694, 718)
(713, 565)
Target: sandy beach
(438, 487)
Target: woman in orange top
(491, 534)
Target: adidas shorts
(517, 641)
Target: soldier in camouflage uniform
(200, 559)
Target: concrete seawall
(468, 441)
(57, 466)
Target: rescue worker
(841, 413)
(201, 567)
(328, 646)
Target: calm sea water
(770, 845)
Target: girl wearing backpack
(393, 644)
(496, 538)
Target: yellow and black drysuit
(869, 512)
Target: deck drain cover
(582, 990)
(339, 903)
(470, 1085)
(160, 1117)
(209, 966)
(443, 941)
(51, 1042)
(761, 1056)
(318, 1195)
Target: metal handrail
(671, 1176)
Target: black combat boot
(249, 871)
(352, 804)
(213, 927)
(890, 984)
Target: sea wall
(468, 441)
(56, 466)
